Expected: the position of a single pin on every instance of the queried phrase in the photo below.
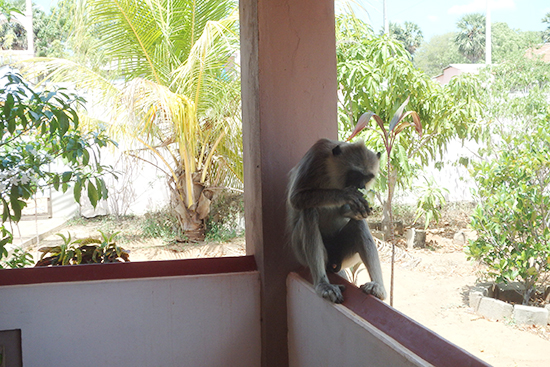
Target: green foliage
(13, 36)
(36, 130)
(471, 36)
(410, 35)
(510, 44)
(430, 202)
(52, 30)
(162, 224)
(171, 87)
(516, 90)
(375, 74)
(83, 251)
(225, 216)
(389, 136)
(438, 53)
(9, 7)
(19, 258)
(546, 32)
(512, 218)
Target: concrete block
(460, 238)
(547, 307)
(415, 238)
(494, 309)
(486, 289)
(475, 297)
(510, 292)
(530, 315)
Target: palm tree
(471, 36)
(410, 35)
(166, 70)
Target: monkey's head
(356, 164)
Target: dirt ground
(431, 287)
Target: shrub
(224, 221)
(84, 251)
(512, 217)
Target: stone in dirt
(475, 298)
(415, 238)
(494, 309)
(510, 292)
(459, 238)
(530, 315)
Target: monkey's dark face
(358, 179)
(359, 164)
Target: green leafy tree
(10, 7)
(509, 44)
(438, 53)
(546, 32)
(470, 38)
(13, 35)
(430, 202)
(166, 71)
(388, 135)
(516, 95)
(512, 216)
(375, 74)
(36, 130)
(51, 31)
(513, 179)
(410, 35)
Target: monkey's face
(361, 165)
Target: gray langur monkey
(326, 214)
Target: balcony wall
(362, 331)
(163, 320)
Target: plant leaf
(398, 116)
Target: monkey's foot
(330, 292)
(375, 289)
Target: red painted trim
(129, 270)
(421, 341)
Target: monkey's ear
(337, 150)
(378, 155)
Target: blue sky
(440, 16)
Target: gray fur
(326, 213)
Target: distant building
(543, 52)
(457, 69)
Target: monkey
(326, 214)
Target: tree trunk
(191, 219)
(387, 214)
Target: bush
(85, 251)
(225, 216)
(163, 224)
(513, 215)
(40, 129)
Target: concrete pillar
(289, 101)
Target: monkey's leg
(358, 231)
(314, 255)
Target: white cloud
(433, 18)
(476, 6)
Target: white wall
(324, 334)
(199, 320)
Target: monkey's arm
(350, 199)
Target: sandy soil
(435, 293)
(431, 286)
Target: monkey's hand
(356, 206)
(330, 292)
(375, 289)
